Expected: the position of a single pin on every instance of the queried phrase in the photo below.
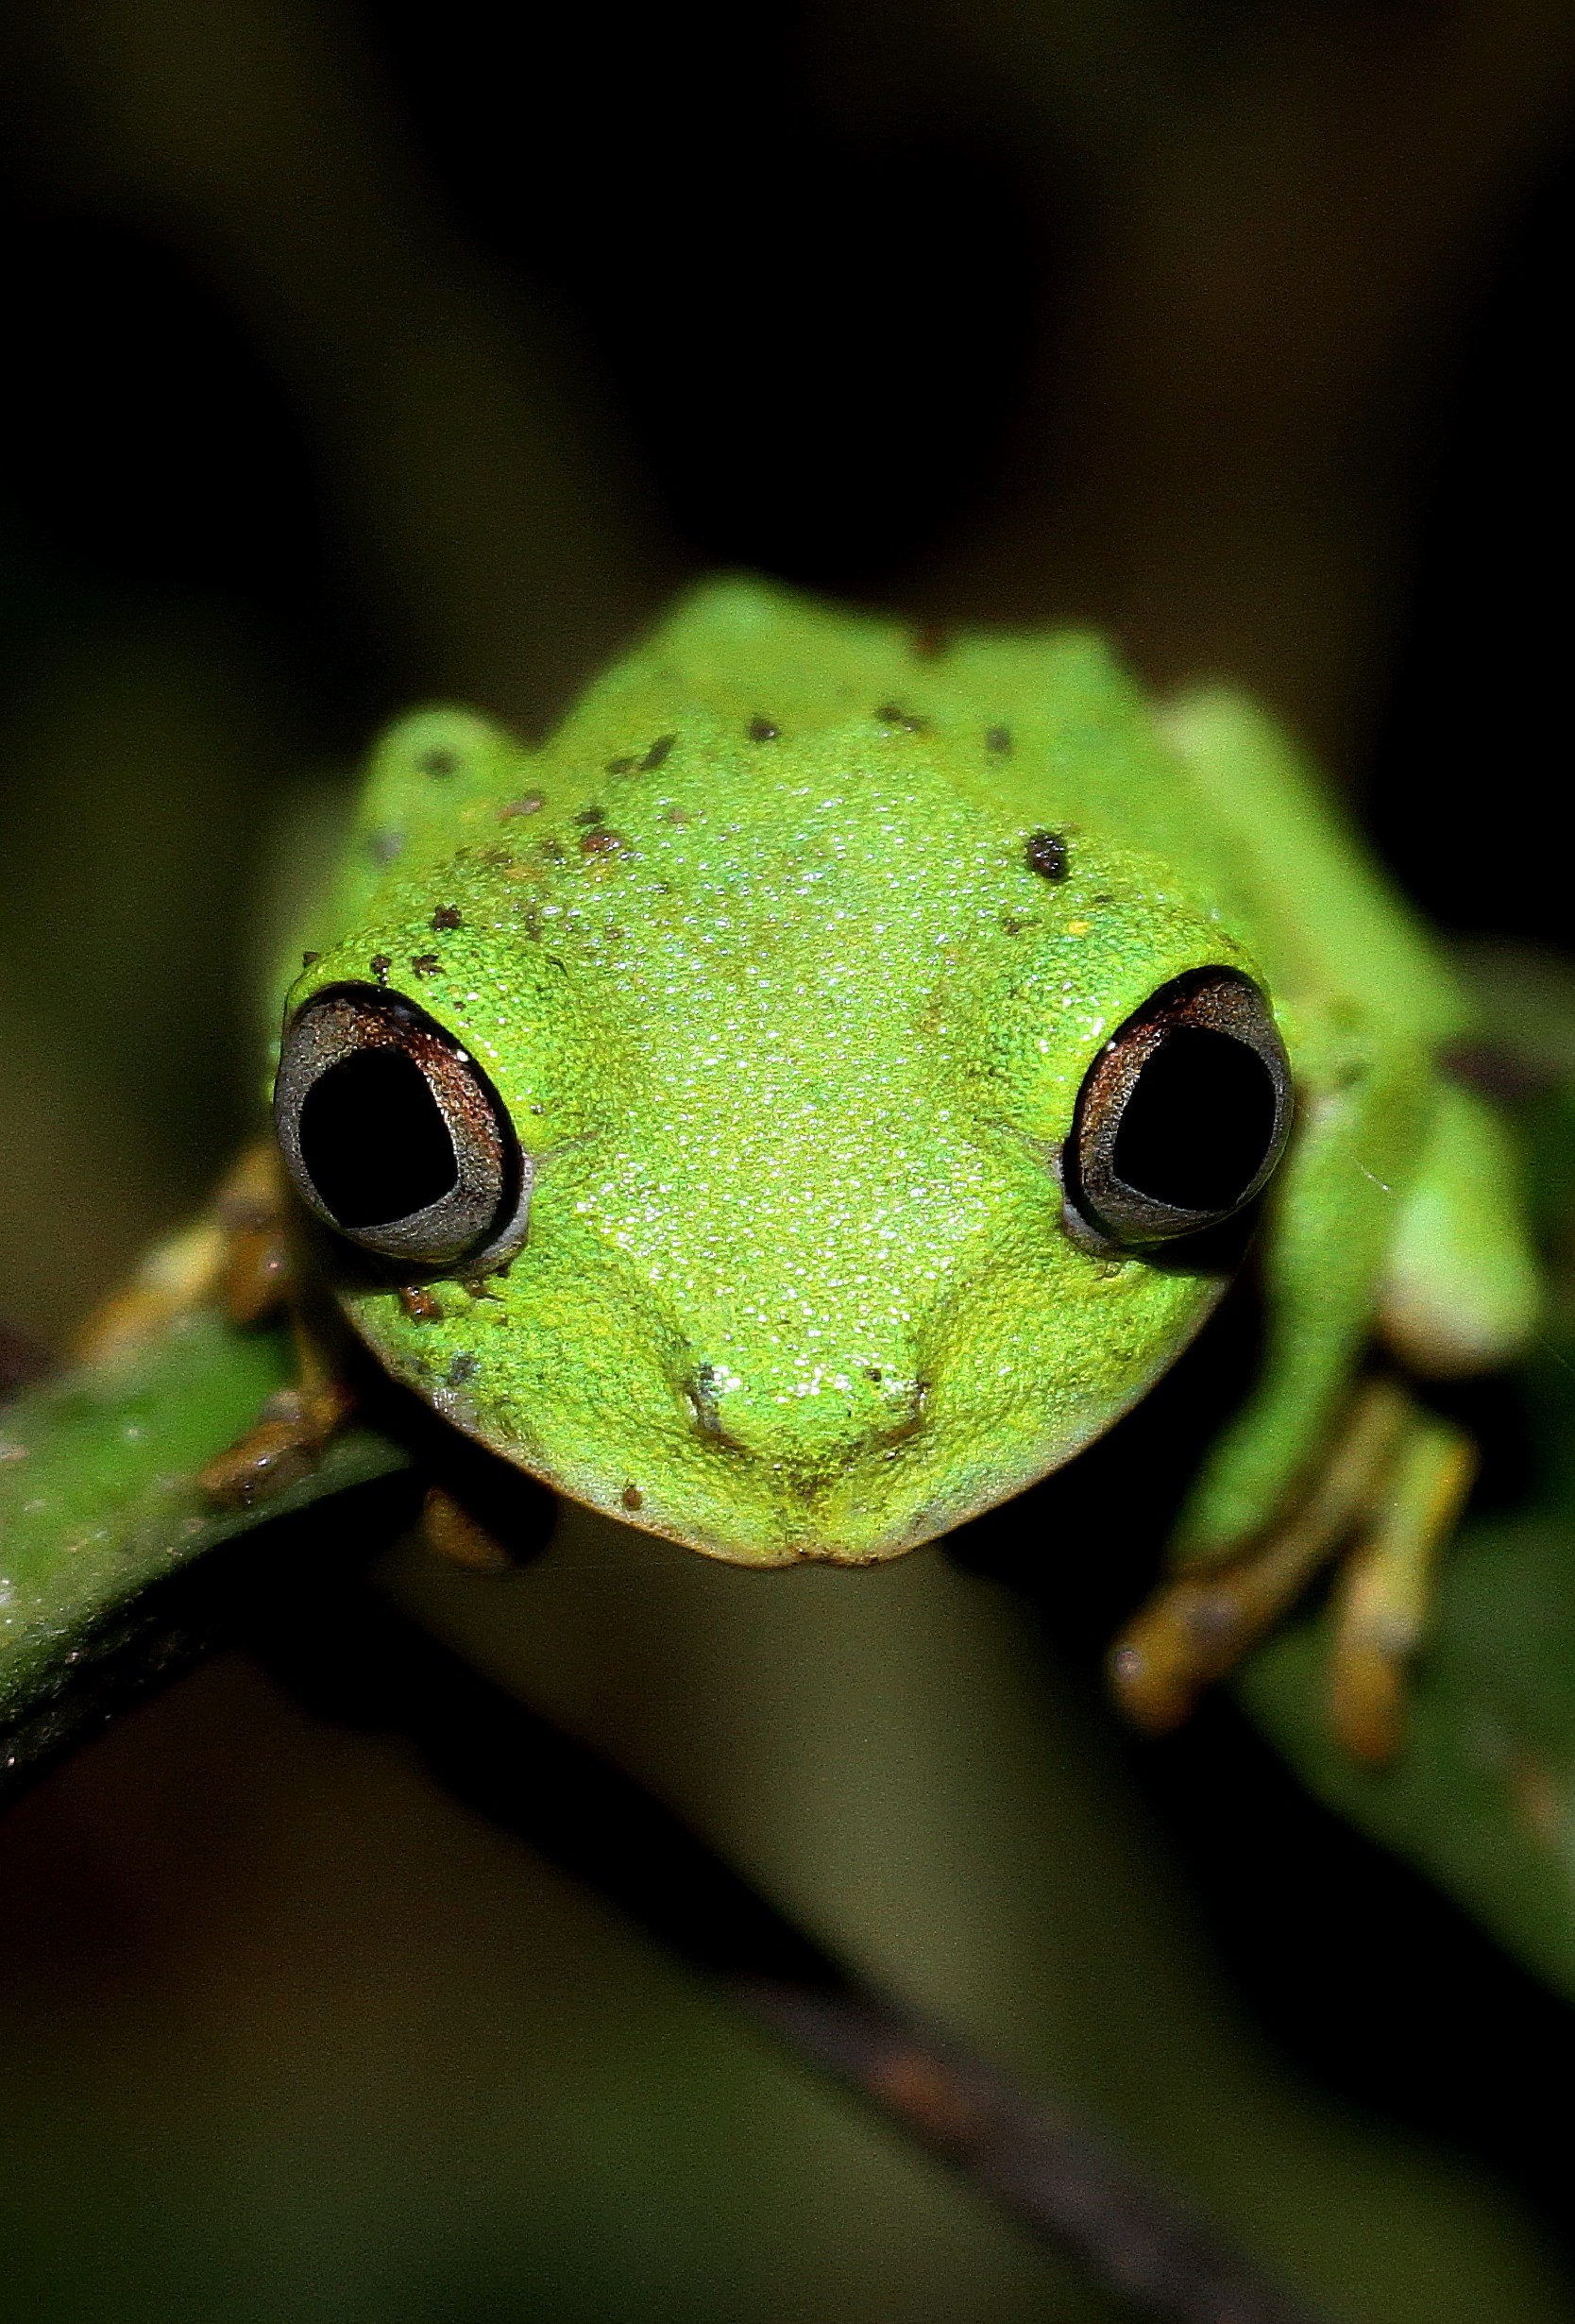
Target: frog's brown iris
(392, 1133)
(1183, 1114)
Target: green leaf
(99, 1511)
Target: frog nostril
(905, 1414)
(701, 1397)
(815, 1414)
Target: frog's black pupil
(1195, 1128)
(373, 1144)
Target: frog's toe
(288, 1441)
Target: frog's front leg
(239, 1255)
(1197, 1626)
(260, 1276)
(1388, 1496)
(1364, 1104)
(291, 1433)
(1430, 1248)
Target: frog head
(759, 1118)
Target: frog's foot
(455, 1533)
(291, 1433)
(235, 1252)
(285, 1445)
(1392, 1486)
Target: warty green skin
(791, 1032)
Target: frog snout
(819, 1417)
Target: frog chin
(649, 1463)
(872, 1512)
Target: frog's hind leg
(1389, 1495)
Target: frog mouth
(877, 1508)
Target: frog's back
(1028, 730)
(1052, 730)
(747, 692)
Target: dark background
(357, 356)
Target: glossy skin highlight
(787, 956)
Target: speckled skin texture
(791, 1025)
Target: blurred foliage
(366, 355)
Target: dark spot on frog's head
(657, 753)
(622, 766)
(531, 803)
(446, 916)
(1044, 852)
(439, 761)
(910, 723)
(462, 1370)
(601, 842)
(381, 966)
(553, 849)
(679, 815)
(384, 847)
(426, 964)
(309, 960)
(1014, 926)
(763, 730)
(874, 1373)
(590, 815)
(929, 641)
(998, 740)
(631, 1496)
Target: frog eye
(394, 1135)
(1183, 1114)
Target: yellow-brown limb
(290, 1434)
(1197, 1628)
(236, 1251)
(257, 1269)
(1382, 1602)
(453, 1532)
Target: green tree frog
(825, 1085)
